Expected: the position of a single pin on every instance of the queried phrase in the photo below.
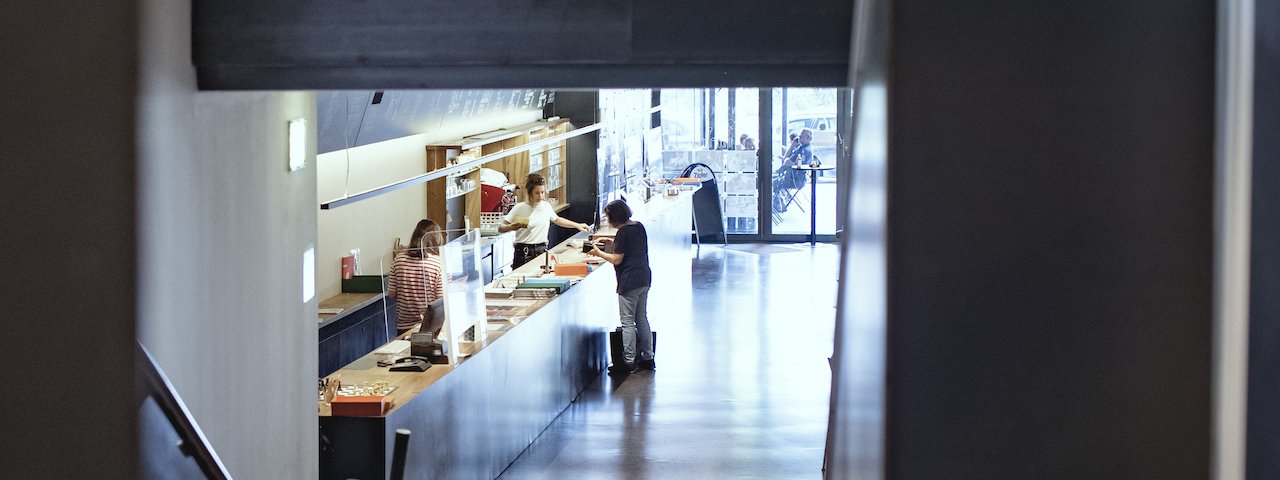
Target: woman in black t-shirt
(630, 259)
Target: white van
(823, 127)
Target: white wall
(222, 230)
(372, 225)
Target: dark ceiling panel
(350, 119)
(451, 44)
(745, 32)
(407, 33)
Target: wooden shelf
(459, 194)
(455, 214)
(465, 172)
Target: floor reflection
(742, 385)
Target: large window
(621, 157)
(804, 119)
(720, 129)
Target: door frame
(764, 154)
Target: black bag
(615, 346)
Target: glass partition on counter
(464, 306)
(450, 273)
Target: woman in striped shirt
(417, 276)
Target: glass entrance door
(744, 135)
(804, 133)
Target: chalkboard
(707, 217)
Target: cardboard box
(572, 269)
(359, 406)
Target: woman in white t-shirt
(532, 219)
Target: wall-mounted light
(308, 274)
(297, 144)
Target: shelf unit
(463, 210)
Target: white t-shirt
(540, 219)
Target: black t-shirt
(633, 243)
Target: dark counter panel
(476, 419)
(343, 340)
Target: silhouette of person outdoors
(793, 142)
(800, 153)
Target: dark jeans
(526, 252)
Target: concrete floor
(741, 389)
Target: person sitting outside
(793, 142)
(800, 153)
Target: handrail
(452, 169)
(154, 383)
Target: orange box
(359, 406)
(685, 181)
(573, 269)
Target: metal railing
(153, 383)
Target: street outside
(796, 218)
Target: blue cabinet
(355, 332)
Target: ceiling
(488, 44)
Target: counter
(668, 221)
(472, 419)
(348, 302)
(359, 328)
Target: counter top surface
(655, 207)
(348, 302)
(410, 384)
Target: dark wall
(1050, 239)
(857, 423)
(1263, 438)
(582, 108)
(69, 254)
(252, 44)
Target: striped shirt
(414, 283)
